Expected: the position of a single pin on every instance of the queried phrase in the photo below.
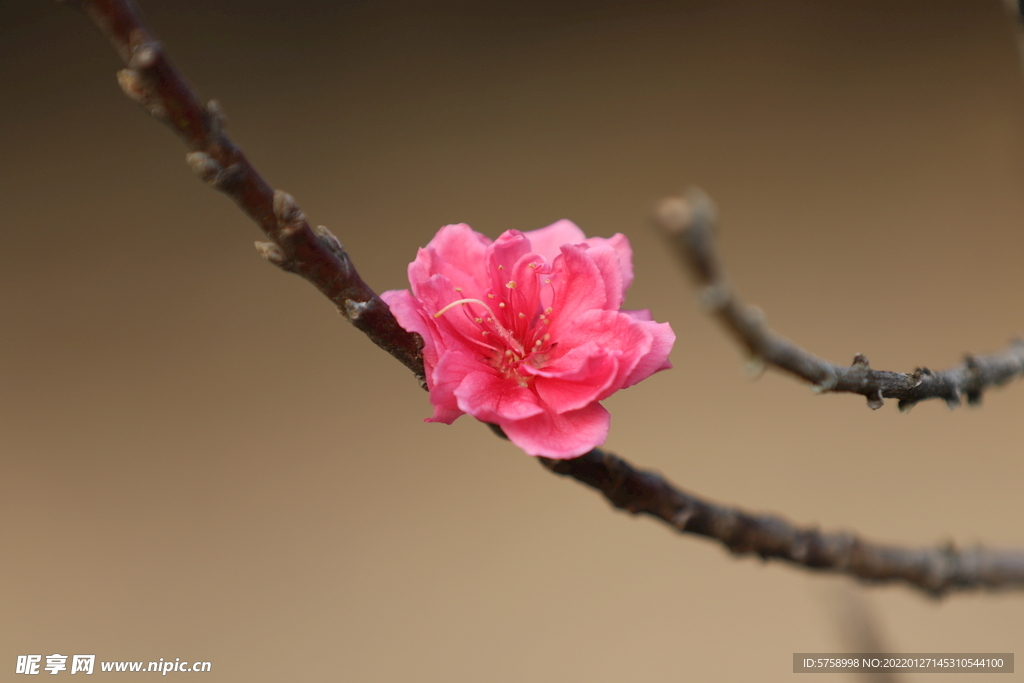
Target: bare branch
(689, 225)
(315, 254)
(936, 571)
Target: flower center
(511, 334)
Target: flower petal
(607, 261)
(490, 397)
(578, 285)
(444, 380)
(510, 246)
(565, 435)
(615, 332)
(455, 325)
(620, 243)
(548, 241)
(662, 339)
(587, 375)
(456, 252)
(641, 314)
(409, 313)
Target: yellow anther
(522, 315)
(501, 305)
(511, 284)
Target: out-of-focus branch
(936, 571)
(314, 253)
(1015, 11)
(860, 631)
(689, 225)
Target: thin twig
(317, 255)
(689, 225)
(936, 571)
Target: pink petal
(548, 241)
(567, 435)
(607, 261)
(457, 252)
(662, 339)
(490, 397)
(455, 325)
(620, 243)
(444, 380)
(410, 315)
(587, 373)
(579, 288)
(642, 314)
(510, 246)
(615, 332)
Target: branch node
(332, 243)
(139, 91)
(230, 177)
(827, 384)
(682, 518)
(875, 400)
(204, 166)
(218, 121)
(674, 215)
(286, 211)
(906, 405)
(272, 253)
(953, 401)
(355, 309)
(143, 50)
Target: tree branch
(936, 571)
(689, 225)
(316, 255)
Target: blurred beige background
(201, 460)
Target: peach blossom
(525, 332)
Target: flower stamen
(460, 301)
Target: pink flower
(525, 332)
